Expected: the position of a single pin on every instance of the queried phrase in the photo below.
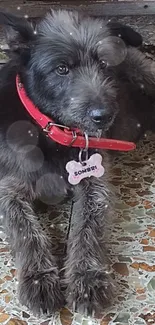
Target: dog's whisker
(99, 133)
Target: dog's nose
(99, 116)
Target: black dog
(76, 71)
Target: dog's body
(64, 71)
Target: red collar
(63, 135)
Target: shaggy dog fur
(78, 72)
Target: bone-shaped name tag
(91, 167)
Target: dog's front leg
(39, 287)
(88, 283)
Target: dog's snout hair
(90, 91)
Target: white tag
(92, 167)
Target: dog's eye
(62, 70)
(103, 64)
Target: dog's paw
(54, 194)
(41, 293)
(89, 293)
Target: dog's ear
(128, 34)
(19, 32)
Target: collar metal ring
(85, 150)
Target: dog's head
(67, 64)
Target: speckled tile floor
(131, 246)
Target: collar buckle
(49, 125)
(74, 137)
